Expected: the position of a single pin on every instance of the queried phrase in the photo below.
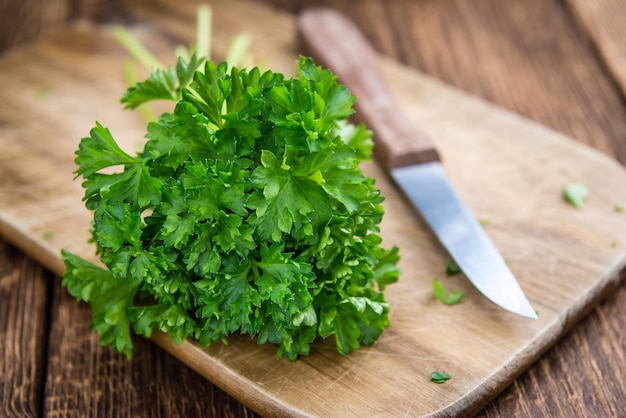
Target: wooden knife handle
(336, 43)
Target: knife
(408, 155)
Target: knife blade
(409, 156)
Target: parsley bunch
(246, 212)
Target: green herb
(576, 194)
(136, 48)
(239, 51)
(130, 75)
(618, 208)
(43, 92)
(202, 48)
(484, 222)
(439, 377)
(246, 212)
(452, 267)
(203, 31)
(441, 294)
(48, 235)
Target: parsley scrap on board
(441, 293)
(439, 377)
(246, 212)
(452, 267)
(576, 194)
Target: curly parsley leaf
(246, 212)
(163, 84)
(110, 299)
(100, 151)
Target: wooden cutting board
(508, 170)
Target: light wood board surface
(509, 171)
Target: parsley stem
(255, 270)
(238, 53)
(130, 75)
(203, 31)
(183, 52)
(135, 48)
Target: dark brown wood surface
(530, 56)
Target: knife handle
(336, 43)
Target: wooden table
(560, 63)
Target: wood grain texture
(478, 141)
(83, 376)
(25, 21)
(511, 53)
(595, 346)
(31, 19)
(24, 288)
(582, 373)
(526, 56)
(603, 21)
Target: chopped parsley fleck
(441, 293)
(576, 194)
(439, 377)
(452, 267)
